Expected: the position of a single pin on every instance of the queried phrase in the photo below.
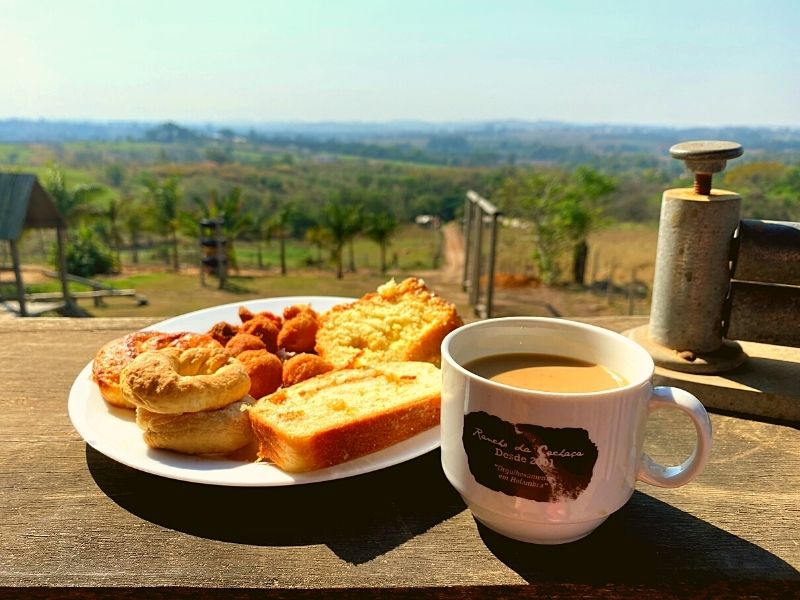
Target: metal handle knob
(704, 158)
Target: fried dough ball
(265, 328)
(243, 341)
(265, 371)
(299, 330)
(245, 314)
(304, 366)
(223, 332)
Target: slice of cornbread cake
(343, 414)
(400, 321)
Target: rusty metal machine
(718, 279)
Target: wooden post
(221, 254)
(18, 277)
(61, 244)
(595, 261)
(468, 216)
(490, 274)
(610, 287)
(632, 292)
(475, 289)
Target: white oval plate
(113, 431)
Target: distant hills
(462, 143)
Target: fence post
(477, 209)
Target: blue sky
(611, 61)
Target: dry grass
(620, 252)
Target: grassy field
(617, 250)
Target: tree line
(328, 204)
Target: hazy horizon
(680, 64)
(244, 123)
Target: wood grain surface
(77, 524)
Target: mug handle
(671, 477)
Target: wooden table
(77, 524)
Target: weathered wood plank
(77, 524)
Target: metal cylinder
(764, 313)
(692, 272)
(768, 251)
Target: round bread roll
(117, 354)
(206, 432)
(172, 381)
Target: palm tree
(278, 224)
(380, 227)
(73, 203)
(317, 236)
(112, 213)
(342, 222)
(134, 217)
(166, 197)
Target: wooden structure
(77, 524)
(480, 253)
(214, 251)
(25, 204)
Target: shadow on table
(358, 518)
(647, 540)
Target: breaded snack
(177, 381)
(404, 321)
(304, 366)
(118, 353)
(244, 341)
(340, 415)
(265, 371)
(299, 330)
(245, 314)
(223, 332)
(205, 432)
(264, 328)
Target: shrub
(86, 255)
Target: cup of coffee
(543, 422)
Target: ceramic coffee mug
(549, 468)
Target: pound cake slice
(344, 414)
(401, 321)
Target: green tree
(73, 202)
(115, 175)
(380, 227)
(165, 197)
(111, 212)
(342, 221)
(133, 216)
(561, 208)
(317, 236)
(769, 190)
(278, 225)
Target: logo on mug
(544, 464)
